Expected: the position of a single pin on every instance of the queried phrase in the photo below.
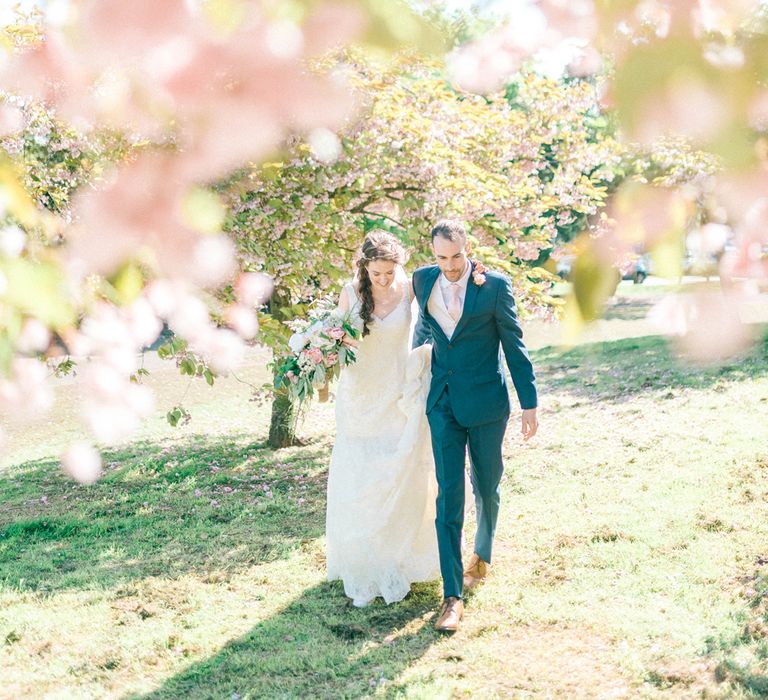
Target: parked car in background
(564, 265)
(639, 270)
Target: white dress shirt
(441, 297)
(445, 286)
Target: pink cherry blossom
(27, 391)
(51, 72)
(190, 318)
(587, 61)
(253, 288)
(34, 337)
(12, 241)
(720, 15)
(686, 106)
(669, 316)
(221, 348)
(709, 239)
(213, 261)
(757, 111)
(141, 208)
(243, 320)
(82, 462)
(748, 259)
(127, 30)
(11, 120)
(705, 326)
(571, 18)
(143, 323)
(113, 406)
(637, 218)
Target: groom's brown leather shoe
(475, 572)
(450, 615)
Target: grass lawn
(631, 558)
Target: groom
(469, 317)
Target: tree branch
(382, 216)
(382, 192)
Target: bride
(380, 519)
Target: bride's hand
(349, 341)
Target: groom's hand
(530, 423)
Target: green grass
(631, 556)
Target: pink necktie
(454, 305)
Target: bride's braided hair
(378, 245)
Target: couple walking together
(404, 417)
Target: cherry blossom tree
(121, 129)
(692, 70)
(520, 167)
(196, 90)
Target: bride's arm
(343, 301)
(411, 293)
(343, 307)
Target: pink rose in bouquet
(314, 354)
(319, 351)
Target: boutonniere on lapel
(478, 274)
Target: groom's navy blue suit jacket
(470, 363)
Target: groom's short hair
(451, 230)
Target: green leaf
(178, 345)
(38, 289)
(173, 417)
(203, 211)
(594, 280)
(128, 283)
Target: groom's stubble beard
(455, 274)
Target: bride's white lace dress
(380, 520)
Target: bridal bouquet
(318, 353)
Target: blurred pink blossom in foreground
(82, 462)
(206, 95)
(704, 326)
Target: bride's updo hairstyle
(378, 245)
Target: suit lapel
(469, 303)
(432, 274)
(429, 284)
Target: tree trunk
(282, 428)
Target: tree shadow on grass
(629, 308)
(319, 646)
(742, 658)
(622, 369)
(162, 508)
